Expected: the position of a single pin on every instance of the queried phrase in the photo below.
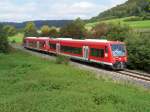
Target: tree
(74, 30)
(138, 51)
(117, 31)
(45, 30)
(53, 32)
(111, 31)
(4, 46)
(30, 30)
(100, 30)
(10, 30)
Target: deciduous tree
(10, 30)
(45, 31)
(100, 30)
(74, 30)
(30, 30)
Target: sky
(27, 10)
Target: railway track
(135, 74)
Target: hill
(39, 23)
(130, 8)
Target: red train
(111, 53)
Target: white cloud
(49, 9)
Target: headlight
(106, 55)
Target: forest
(130, 8)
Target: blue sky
(24, 10)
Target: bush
(4, 46)
(138, 51)
(62, 60)
(13, 41)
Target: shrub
(62, 60)
(4, 46)
(13, 41)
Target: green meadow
(142, 24)
(32, 84)
(16, 38)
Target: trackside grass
(32, 84)
(18, 38)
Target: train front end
(119, 55)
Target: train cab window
(52, 46)
(74, 50)
(118, 50)
(97, 52)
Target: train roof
(91, 41)
(37, 38)
(76, 40)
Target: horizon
(25, 10)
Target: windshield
(118, 49)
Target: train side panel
(100, 53)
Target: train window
(33, 44)
(118, 49)
(52, 46)
(97, 52)
(73, 50)
(41, 44)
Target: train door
(27, 43)
(85, 52)
(57, 48)
(38, 45)
(47, 45)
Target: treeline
(39, 23)
(139, 8)
(77, 30)
(74, 30)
